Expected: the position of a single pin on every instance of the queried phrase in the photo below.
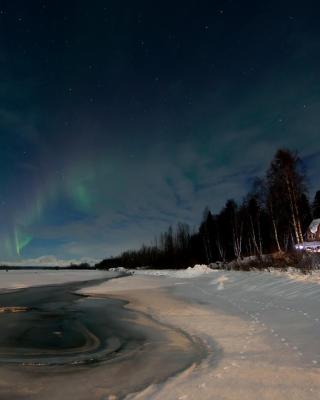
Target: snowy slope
(261, 330)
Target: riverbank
(261, 332)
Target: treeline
(272, 217)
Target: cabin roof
(314, 225)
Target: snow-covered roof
(314, 225)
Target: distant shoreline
(34, 267)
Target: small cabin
(313, 232)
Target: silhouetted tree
(316, 205)
(305, 212)
(286, 185)
(230, 227)
(207, 233)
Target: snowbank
(198, 270)
(119, 269)
(191, 272)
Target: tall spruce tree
(316, 205)
(286, 186)
(207, 233)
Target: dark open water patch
(60, 328)
(60, 345)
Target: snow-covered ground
(293, 274)
(261, 330)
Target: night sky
(119, 118)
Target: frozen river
(57, 344)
